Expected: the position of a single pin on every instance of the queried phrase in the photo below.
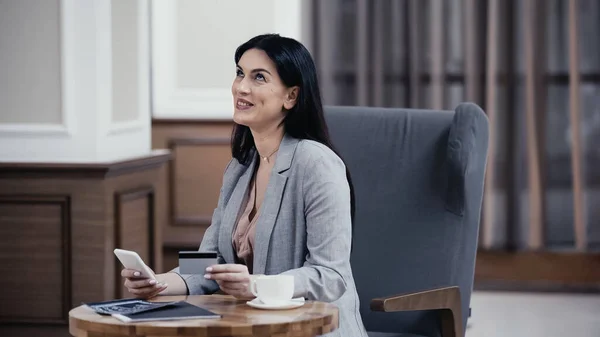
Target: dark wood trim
(447, 300)
(146, 192)
(84, 170)
(535, 287)
(64, 201)
(172, 145)
(539, 271)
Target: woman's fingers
(235, 286)
(147, 292)
(139, 286)
(228, 277)
(141, 283)
(130, 273)
(227, 268)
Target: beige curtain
(533, 65)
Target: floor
(506, 314)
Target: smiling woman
(259, 94)
(286, 205)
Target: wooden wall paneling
(195, 179)
(201, 151)
(137, 216)
(538, 271)
(574, 114)
(193, 184)
(35, 261)
(134, 229)
(37, 203)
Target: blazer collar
(272, 201)
(269, 209)
(285, 154)
(231, 213)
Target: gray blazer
(303, 229)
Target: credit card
(195, 262)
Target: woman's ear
(291, 98)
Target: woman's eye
(260, 77)
(239, 73)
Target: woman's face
(260, 99)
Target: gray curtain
(511, 57)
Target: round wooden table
(238, 319)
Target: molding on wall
(203, 220)
(170, 101)
(85, 170)
(64, 201)
(68, 115)
(121, 127)
(144, 192)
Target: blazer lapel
(272, 202)
(232, 212)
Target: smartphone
(195, 262)
(131, 260)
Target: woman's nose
(243, 87)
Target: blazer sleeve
(196, 283)
(326, 196)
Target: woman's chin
(242, 118)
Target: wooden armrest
(447, 300)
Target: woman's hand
(142, 287)
(233, 279)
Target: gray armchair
(418, 177)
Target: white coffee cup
(273, 289)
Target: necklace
(266, 158)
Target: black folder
(135, 310)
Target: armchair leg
(451, 326)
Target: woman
(286, 204)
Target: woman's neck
(267, 141)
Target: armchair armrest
(447, 300)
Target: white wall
(74, 80)
(193, 43)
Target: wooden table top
(238, 319)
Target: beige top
(243, 236)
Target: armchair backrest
(418, 177)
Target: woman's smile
(242, 104)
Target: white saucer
(293, 303)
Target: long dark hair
(305, 120)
